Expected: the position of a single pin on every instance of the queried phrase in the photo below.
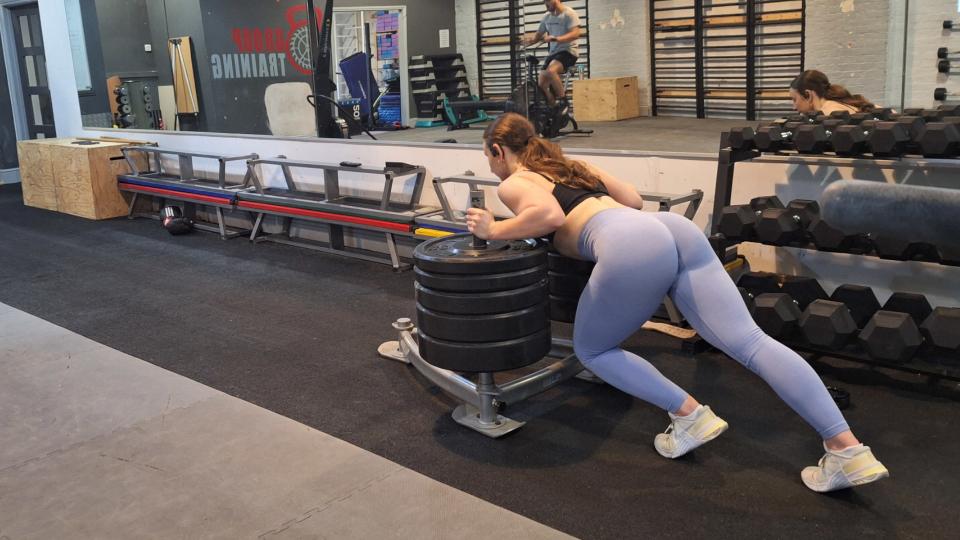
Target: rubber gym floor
(296, 332)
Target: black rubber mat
(296, 332)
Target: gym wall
(925, 35)
(848, 40)
(125, 27)
(466, 22)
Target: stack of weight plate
(568, 277)
(482, 310)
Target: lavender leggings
(642, 257)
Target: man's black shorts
(564, 57)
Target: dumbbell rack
(728, 158)
(184, 186)
(385, 214)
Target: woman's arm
(537, 213)
(621, 191)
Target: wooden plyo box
(73, 179)
(606, 99)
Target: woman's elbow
(556, 219)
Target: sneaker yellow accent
(686, 433)
(836, 471)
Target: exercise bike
(530, 101)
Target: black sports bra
(569, 197)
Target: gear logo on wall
(298, 40)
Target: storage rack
(435, 78)
(729, 157)
(725, 59)
(387, 214)
(500, 26)
(184, 186)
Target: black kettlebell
(174, 222)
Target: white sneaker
(688, 432)
(843, 469)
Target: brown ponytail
(817, 82)
(541, 156)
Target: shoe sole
(825, 488)
(700, 442)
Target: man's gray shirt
(560, 25)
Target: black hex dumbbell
(939, 140)
(898, 249)
(949, 255)
(888, 139)
(737, 222)
(757, 283)
(827, 325)
(942, 329)
(915, 305)
(952, 110)
(849, 140)
(784, 226)
(812, 139)
(828, 238)
(748, 300)
(891, 336)
(777, 315)
(776, 137)
(860, 300)
(882, 113)
(804, 290)
(741, 138)
(914, 125)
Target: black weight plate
(481, 303)
(566, 265)
(148, 107)
(147, 98)
(563, 309)
(475, 284)
(125, 100)
(125, 109)
(483, 328)
(485, 357)
(567, 285)
(454, 254)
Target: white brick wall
(925, 35)
(619, 38)
(847, 40)
(466, 14)
(857, 43)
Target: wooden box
(606, 99)
(74, 179)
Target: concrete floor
(99, 444)
(651, 134)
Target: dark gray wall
(425, 19)
(124, 29)
(235, 104)
(239, 101)
(95, 100)
(8, 133)
(238, 94)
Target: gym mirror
(244, 66)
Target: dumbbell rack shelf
(924, 363)
(728, 158)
